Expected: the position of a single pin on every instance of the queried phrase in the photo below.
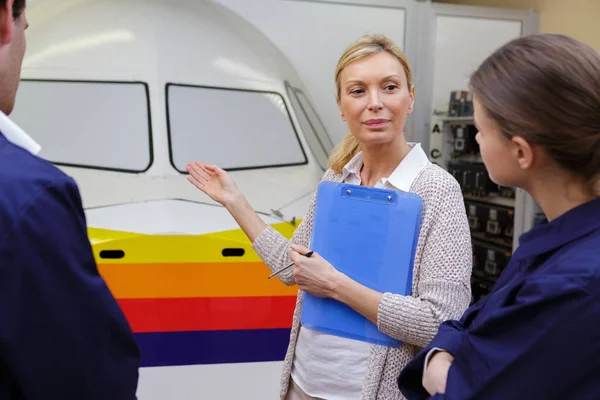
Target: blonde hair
(365, 46)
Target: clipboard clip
(349, 192)
(370, 194)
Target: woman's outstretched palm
(213, 181)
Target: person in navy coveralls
(62, 334)
(537, 334)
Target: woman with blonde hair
(375, 94)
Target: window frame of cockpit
(149, 115)
(295, 92)
(287, 109)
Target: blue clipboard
(370, 235)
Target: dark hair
(18, 7)
(545, 88)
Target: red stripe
(208, 313)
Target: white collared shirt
(402, 177)
(17, 136)
(332, 367)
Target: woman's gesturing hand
(213, 181)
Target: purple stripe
(212, 347)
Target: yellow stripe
(162, 266)
(106, 235)
(143, 249)
(128, 281)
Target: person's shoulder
(578, 261)
(434, 181)
(331, 176)
(24, 178)
(18, 163)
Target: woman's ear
(412, 100)
(339, 104)
(522, 152)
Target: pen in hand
(310, 253)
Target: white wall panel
(461, 44)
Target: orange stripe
(176, 280)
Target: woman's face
(500, 154)
(375, 98)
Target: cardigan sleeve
(442, 271)
(273, 248)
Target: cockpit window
(90, 124)
(314, 131)
(235, 129)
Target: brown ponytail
(546, 89)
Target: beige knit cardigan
(441, 287)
